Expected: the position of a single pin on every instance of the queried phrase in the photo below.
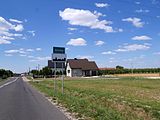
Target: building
(58, 61)
(81, 67)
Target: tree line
(122, 70)
(45, 72)
(5, 73)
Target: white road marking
(8, 83)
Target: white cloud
(85, 57)
(133, 47)
(38, 49)
(99, 43)
(4, 41)
(32, 32)
(29, 50)
(19, 27)
(120, 30)
(156, 53)
(135, 21)
(143, 37)
(101, 5)
(137, 3)
(12, 51)
(77, 42)
(8, 55)
(72, 29)
(142, 11)
(30, 56)
(37, 59)
(16, 21)
(85, 18)
(22, 55)
(108, 53)
(8, 31)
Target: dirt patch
(139, 75)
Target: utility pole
(38, 69)
(29, 71)
(132, 68)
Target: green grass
(2, 79)
(104, 99)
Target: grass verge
(104, 99)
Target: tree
(5, 73)
(47, 71)
(119, 67)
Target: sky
(110, 32)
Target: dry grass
(139, 75)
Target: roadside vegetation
(107, 99)
(122, 70)
(5, 74)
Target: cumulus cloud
(143, 37)
(32, 32)
(37, 59)
(22, 55)
(85, 57)
(29, 50)
(85, 18)
(99, 43)
(135, 21)
(72, 29)
(133, 47)
(8, 55)
(101, 5)
(38, 49)
(4, 41)
(8, 31)
(22, 51)
(142, 11)
(19, 27)
(156, 53)
(16, 21)
(108, 53)
(77, 42)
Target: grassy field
(108, 99)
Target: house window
(68, 71)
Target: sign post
(58, 60)
(55, 79)
(62, 80)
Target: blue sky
(111, 32)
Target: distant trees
(119, 67)
(5, 73)
(122, 70)
(45, 72)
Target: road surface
(19, 101)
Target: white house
(81, 67)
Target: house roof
(83, 64)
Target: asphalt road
(19, 101)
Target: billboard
(59, 54)
(59, 50)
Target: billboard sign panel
(59, 54)
(59, 50)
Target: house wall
(76, 72)
(69, 74)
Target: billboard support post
(55, 79)
(62, 80)
(58, 61)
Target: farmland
(127, 98)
